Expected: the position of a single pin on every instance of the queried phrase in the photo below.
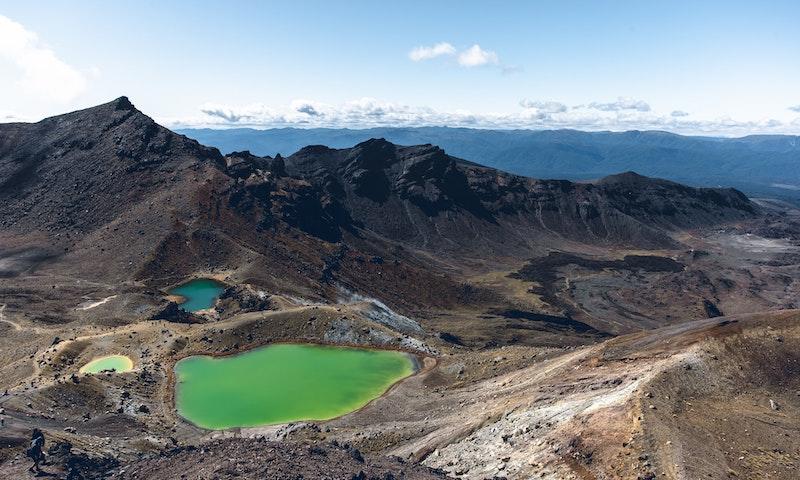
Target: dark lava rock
(711, 309)
(244, 164)
(451, 338)
(77, 466)
(244, 298)
(244, 458)
(355, 454)
(172, 312)
(278, 166)
(554, 322)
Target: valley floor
(647, 405)
(586, 368)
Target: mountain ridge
(128, 156)
(762, 165)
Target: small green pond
(117, 363)
(198, 294)
(284, 383)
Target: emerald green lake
(117, 363)
(284, 383)
(198, 294)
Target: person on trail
(36, 451)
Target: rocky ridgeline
(421, 195)
(81, 171)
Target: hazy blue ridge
(759, 165)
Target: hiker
(36, 452)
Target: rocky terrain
(608, 329)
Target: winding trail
(16, 326)
(96, 304)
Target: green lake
(198, 294)
(117, 363)
(284, 383)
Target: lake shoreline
(126, 365)
(419, 363)
(208, 291)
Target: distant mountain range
(759, 165)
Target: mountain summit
(83, 169)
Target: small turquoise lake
(198, 294)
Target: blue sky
(728, 68)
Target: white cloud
(533, 114)
(221, 111)
(475, 56)
(42, 73)
(242, 114)
(622, 103)
(679, 113)
(427, 53)
(543, 106)
(795, 108)
(308, 107)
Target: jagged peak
(123, 103)
(375, 153)
(375, 143)
(135, 135)
(113, 110)
(242, 153)
(119, 104)
(314, 150)
(624, 176)
(247, 154)
(632, 178)
(373, 147)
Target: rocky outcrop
(172, 312)
(420, 194)
(243, 458)
(243, 298)
(244, 164)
